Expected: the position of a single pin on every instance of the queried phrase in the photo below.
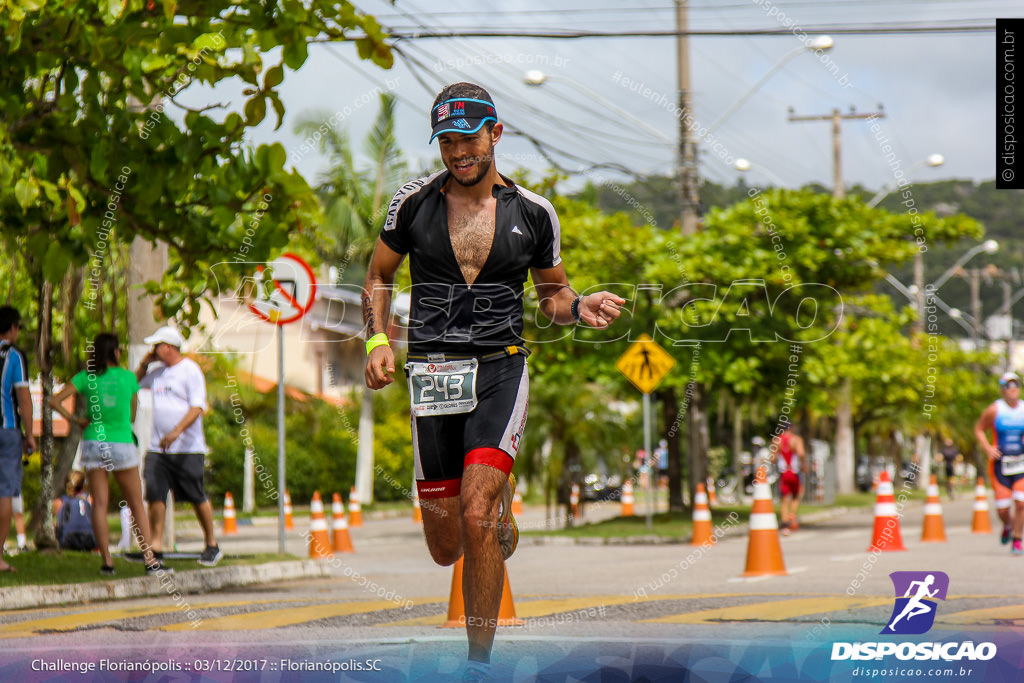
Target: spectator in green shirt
(110, 394)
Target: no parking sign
(285, 290)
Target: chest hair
(472, 233)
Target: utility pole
(1008, 312)
(837, 140)
(845, 461)
(974, 275)
(918, 326)
(686, 158)
(689, 221)
(146, 261)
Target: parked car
(599, 487)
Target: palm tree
(355, 204)
(354, 200)
(567, 421)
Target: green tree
(775, 270)
(574, 383)
(354, 201)
(569, 434)
(88, 154)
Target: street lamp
(537, 78)
(932, 160)
(822, 43)
(988, 246)
(959, 316)
(744, 165)
(916, 292)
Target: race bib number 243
(443, 388)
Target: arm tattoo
(368, 316)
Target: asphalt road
(383, 606)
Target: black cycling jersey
(447, 314)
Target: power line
(541, 147)
(712, 7)
(878, 29)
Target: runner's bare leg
(483, 571)
(442, 527)
(1018, 518)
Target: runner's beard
(483, 166)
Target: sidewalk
(255, 536)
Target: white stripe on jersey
(556, 256)
(404, 192)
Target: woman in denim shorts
(110, 394)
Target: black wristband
(575, 308)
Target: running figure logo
(914, 612)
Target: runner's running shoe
(1007, 534)
(476, 672)
(508, 530)
(1016, 549)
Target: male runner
(1005, 417)
(788, 453)
(950, 453)
(471, 235)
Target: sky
(608, 101)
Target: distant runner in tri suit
(472, 237)
(1005, 453)
(950, 453)
(787, 451)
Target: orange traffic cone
(981, 524)
(574, 500)
(230, 522)
(627, 498)
(342, 539)
(457, 603)
(886, 535)
(712, 496)
(701, 518)
(417, 512)
(319, 543)
(288, 523)
(517, 503)
(355, 510)
(764, 551)
(934, 530)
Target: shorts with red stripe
(443, 445)
(789, 484)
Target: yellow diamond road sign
(645, 364)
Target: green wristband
(379, 339)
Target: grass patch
(675, 525)
(868, 499)
(35, 569)
(680, 525)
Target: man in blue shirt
(15, 413)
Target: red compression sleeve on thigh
(446, 488)
(495, 457)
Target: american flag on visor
(442, 111)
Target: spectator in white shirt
(177, 450)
